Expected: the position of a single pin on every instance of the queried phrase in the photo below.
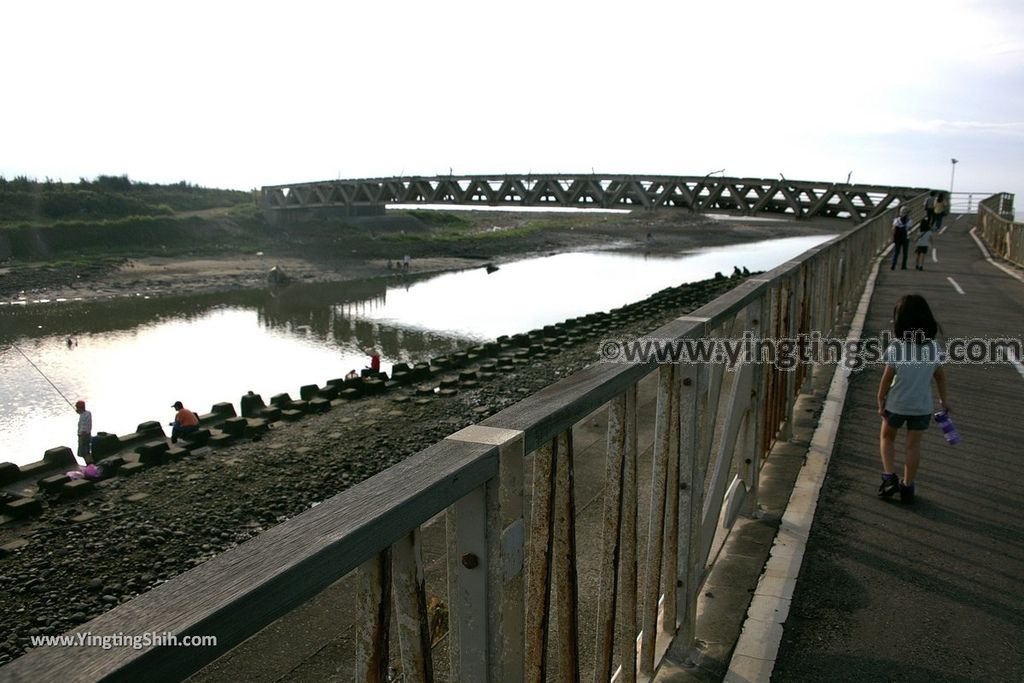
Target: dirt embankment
(232, 257)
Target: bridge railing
(796, 198)
(512, 559)
(997, 228)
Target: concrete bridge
(654, 521)
(369, 196)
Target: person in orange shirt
(185, 422)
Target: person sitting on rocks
(374, 360)
(185, 422)
(352, 374)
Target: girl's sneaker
(890, 485)
(906, 493)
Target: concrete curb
(754, 657)
(988, 256)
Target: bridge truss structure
(747, 196)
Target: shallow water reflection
(130, 359)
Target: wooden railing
(512, 558)
(796, 198)
(995, 224)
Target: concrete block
(61, 456)
(774, 586)
(319, 405)
(76, 488)
(744, 669)
(769, 609)
(281, 400)
(12, 547)
(255, 426)
(235, 426)
(308, 391)
(291, 415)
(220, 440)
(53, 483)
(9, 472)
(152, 454)
(252, 404)
(759, 640)
(152, 428)
(224, 408)
(34, 470)
(130, 469)
(271, 414)
(175, 454)
(24, 507)
(110, 465)
(196, 439)
(104, 444)
(329, 392)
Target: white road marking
(953, 282)
(988, 257)
(943, 229)
(935, 255)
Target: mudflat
(362, 249)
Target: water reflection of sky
(527, 294)
(133, 358)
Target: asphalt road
(932, 591)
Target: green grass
(107, 197)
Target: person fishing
(84, 432)
(185, 422)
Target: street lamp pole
(952, 175)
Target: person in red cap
(185, 422)
(84, 432)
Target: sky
(245, 94)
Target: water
(130, 359)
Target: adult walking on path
(929, 591)
(901, 236)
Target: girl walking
(924, 240)
(913, 362)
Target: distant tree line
(106, 197)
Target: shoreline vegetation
(132, 534)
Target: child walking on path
(913, 361)
(924, 241)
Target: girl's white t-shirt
(911, 390)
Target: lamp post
(703, 183)
(952, 175)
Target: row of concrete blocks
(506, 352)
(220, 427)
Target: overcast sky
(243, 94)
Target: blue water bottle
(948, 428)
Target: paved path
(932, 591)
